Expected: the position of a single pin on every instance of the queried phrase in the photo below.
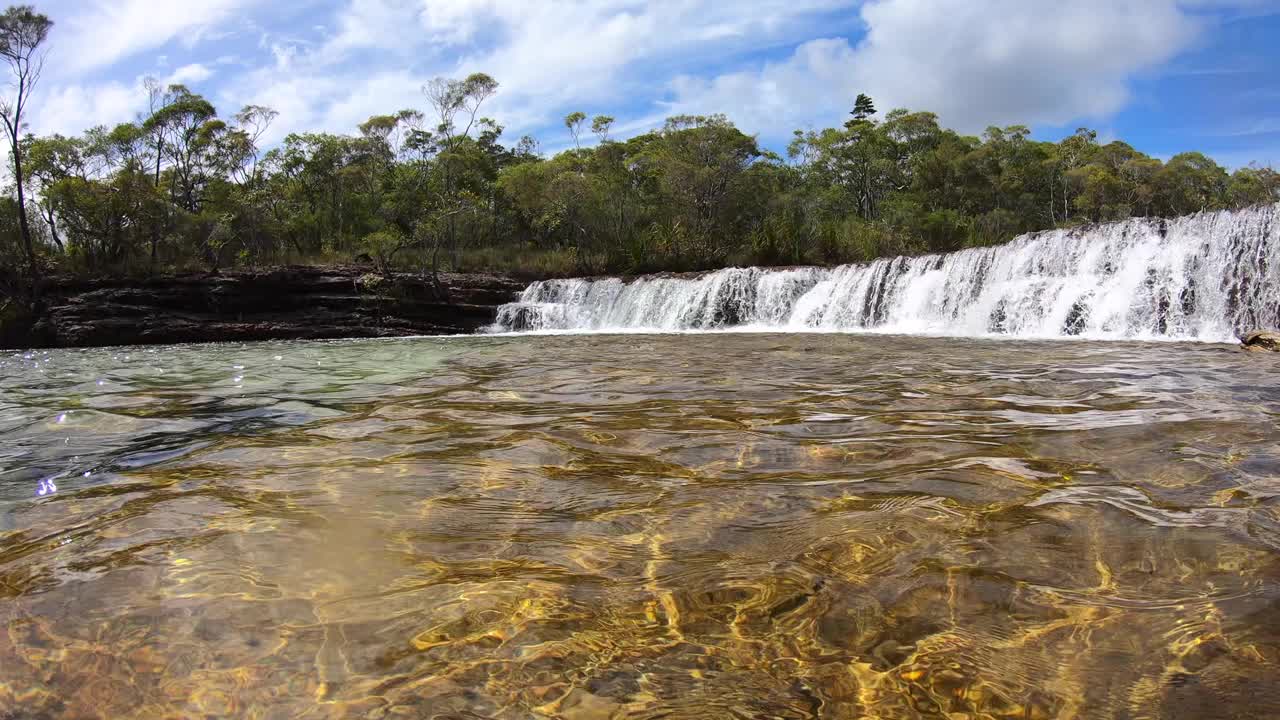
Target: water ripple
(728, 525)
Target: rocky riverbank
(280, 303)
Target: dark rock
(1262, 340)
(279, 303)
(1077, 319)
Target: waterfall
(1208, 277)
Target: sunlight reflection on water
(728, 525)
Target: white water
(1207, 277)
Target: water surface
(697, 526)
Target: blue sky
(1164, 75)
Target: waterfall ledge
(1208, 277)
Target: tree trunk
(53, 229)
(155, 225)
(33, 270)
(1053, 210)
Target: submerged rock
(1262, 340)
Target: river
(721, 525)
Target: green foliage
(21, 27)
(383, 246)
(1253, 185)
(439, 190)
(600, 125)
(573, 122)
(863, 107)
(22, 32)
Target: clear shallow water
(701, 526)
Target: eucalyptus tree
(600, 126)
(573, 122)
(392, 178)
(1254, 185)
(699, 160)
(254, 121)
(1191, 182)
(22, 33)
(49, 160)
(1072, 153)
(157, 98)
(183, 124)
(454, 101)
(54, 160)
(98, 193)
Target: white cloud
(814, 84)
(386, 24)
(331, 64)
(561, 52)
(91, 34)
(549, 56)
(71, 109)
(378, 94)
(190, 74)
(975, 64)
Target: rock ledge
(279, 303)
(1262, 340)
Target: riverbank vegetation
(441, 187)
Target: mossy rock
(1262, 340)
(371, 281)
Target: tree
(1254, 185)
(573, 121)
(49, 160)
(22, 32)
(700, 160)
(1074, 152)
(1191, 182)
(863, 107)
(189, 125)
(600, 125)
(157, 99)
(452, 98)
(254, 121)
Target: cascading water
(1205, 277)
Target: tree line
(438, 188)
